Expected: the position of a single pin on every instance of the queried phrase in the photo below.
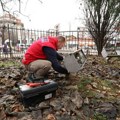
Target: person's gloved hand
(67, 76)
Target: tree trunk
(99, 47)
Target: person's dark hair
(61, 39)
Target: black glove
(67, 76)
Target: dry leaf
(51, 117)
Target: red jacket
(35, 52)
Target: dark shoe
(40, 79)
(30, 78)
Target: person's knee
(48, 64)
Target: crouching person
(42, 55)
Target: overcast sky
(46, 15)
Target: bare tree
(3, 4)
(102, 17)
(12, 12)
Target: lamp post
(78, 30)
(0, 38)
(3, 34)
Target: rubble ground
(91, 94)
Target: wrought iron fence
(15, 41)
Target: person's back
(35, 52)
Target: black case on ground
(33, 95)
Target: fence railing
(14, 41)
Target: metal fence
(14, 41)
